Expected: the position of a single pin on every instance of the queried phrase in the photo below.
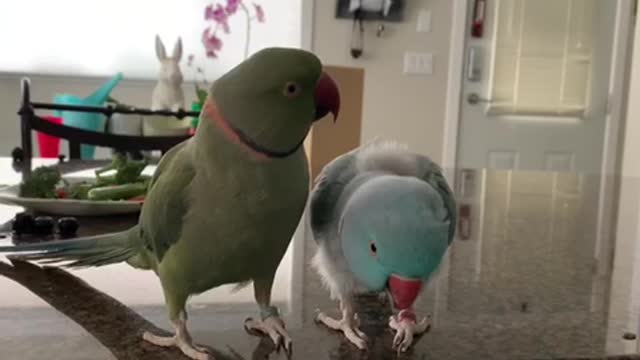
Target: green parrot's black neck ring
(259, 148)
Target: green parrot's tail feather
(81, 252)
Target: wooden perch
(102, 316)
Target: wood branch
(113, 324)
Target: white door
(536, 85)
(530, 153)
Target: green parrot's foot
(406, 328)
(184, 343)
(349, 327)
(274, 327)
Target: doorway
(536, 85)
(537, 136)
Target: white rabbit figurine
(168, 93)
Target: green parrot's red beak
(403, 291)
(327, 97)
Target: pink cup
(49, 145)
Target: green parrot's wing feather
(326, 192)
(167, 201)
(165, 161)
(432, 174)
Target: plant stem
(248, 34)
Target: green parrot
(222, 206)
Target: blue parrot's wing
(166, 201)
(326, 192)
(432, 174)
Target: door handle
(475, 99)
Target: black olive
(43, 225)
(17, 154)
(23, 223)
(67, 226)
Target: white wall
(407, 108)
(98, 38)
(625, 288)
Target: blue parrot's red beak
(404, 291)
(327, 97)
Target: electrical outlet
(418, 63)
(424, 21)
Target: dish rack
(30, 121)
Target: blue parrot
(383, 218)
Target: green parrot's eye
(292, 89)
(373, 248)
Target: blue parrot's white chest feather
(334, 270)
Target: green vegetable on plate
(41, 184)
(127, 183)
(117, 192)
(79, 191)
(127, 171)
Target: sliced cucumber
(117, 192)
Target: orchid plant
(201, 88)
(217, 17)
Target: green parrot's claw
(289, 350)
(273, 327)
(184, 343)
(288, 347)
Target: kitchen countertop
(521, 299)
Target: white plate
(69, 207)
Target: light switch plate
(424, 21)
(418, 63)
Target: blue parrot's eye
(373, 248)
(292, 89)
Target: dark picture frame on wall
(396, 11)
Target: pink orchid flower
(259, 12)
(208, 12)
(212, 43)
(232, 6)
(218, 15)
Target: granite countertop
(512, 295)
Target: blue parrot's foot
(406, 328)
(274, 327)
(348, 325)
(181, 340)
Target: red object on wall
(464, 222)
(479, 14)
(48, 145)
